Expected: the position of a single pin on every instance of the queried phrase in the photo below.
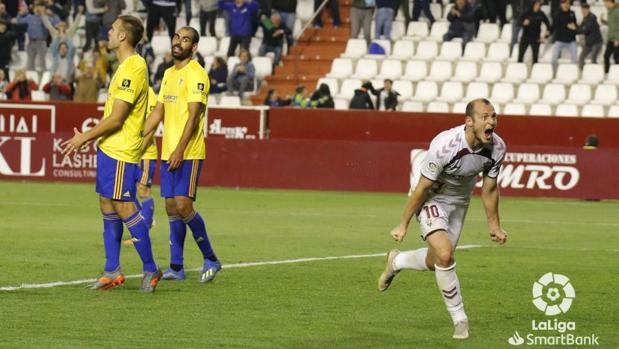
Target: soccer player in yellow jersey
(182, 104)
(119, 150)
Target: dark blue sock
(178, 230)
(112, 236)
(139, 231)
(198, 228)
(148, 210)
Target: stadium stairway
(310, 58)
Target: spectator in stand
(274, 33)
(462, 24)
(593, 37)
(20, 89)
(361, 13)
(384, 18)
(145, 49)
(242, 77)
(240, 22)
(63, 61)
(58, 89)
(300, 98)
(168, 61)
(321, 98)
(386, 97)
(273, 100)
(114, 9)
(495, 9)
(60, 8)
(334, 7)
(564, 29)
(519, 8)
(404, 6)
(531, 22)
(60, 33)
(422, 6)
(94, 10)
(288, 11)
(7, 39)
(4, 15)
(361, 98)
(612, 45)
(188, 13)
(158, 9)
(555, 7)
(208, 13)
(218, 76)
(87, 86)
(4, 81)
(37, 35)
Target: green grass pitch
(52, 232)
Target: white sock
(448, 284)
(415, 260)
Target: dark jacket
(591, 29)
(285, 5)
(559, 26)
(7, 39)
(520, 7)
(240, 19)
(391, 102)
(318, 100)
(533, 30)
(465, 22)
(275, 41)
(361, 100)
(386, 3)
(218, 78)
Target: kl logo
(553, 294)
(25, 168)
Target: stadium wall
(330, 150)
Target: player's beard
(182, 55)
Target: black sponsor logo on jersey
(200, 86)
(126, 83)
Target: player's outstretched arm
(195, 109)
(417, 198)
(490, 199)
(120, 111)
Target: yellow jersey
(129, 84)
(151, 151)
(178, 88)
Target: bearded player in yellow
(119, 151)
(182, 105)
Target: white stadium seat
(348, 87)
(498, 52)
(418, 31)
(426, 91)
(474, 51)
(605, 95)
(476, 90)
(502, 93)
(451, 92)
(207, 45)
(230, 101)
(592, 111)
(579, 94)
(437, 107)
(514, 109)
(488, 32)
(613, 111)
(390, 69)
(465, 71)
(450, 51)
(231, 62)
(161, 44)
(263, 65)
(355, 48)
(415, 71)
(567, 74)
(553, 94)
(386, 45)
(224, 43)
(566, 110)
(440, 71)
(411, 106)
(404, 88)
(541, 73)
(403, 50)
(592, 74)
(426, 50)
(459, 108)
(516, 73)
(506, 33)
(490, 72)
(366, 69)
(341, 68)
(540, 110)
(39, 96)
(341, 104)
(438, 30)
(397, 30)
(527, 93)
(613, 75)
(332, 83)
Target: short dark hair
(388, 80)
(133, 27)
(195, 36)
(584, 5)
(470, 107)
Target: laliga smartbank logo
(553, 294)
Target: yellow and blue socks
(198, 228)
(141, 240)
(178, 230)
(112, 237)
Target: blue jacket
(240, 19)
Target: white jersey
(454, 166)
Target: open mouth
(488, 133)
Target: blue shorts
(148, 171)
(116, 179)
(181, 182)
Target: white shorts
(435, 215)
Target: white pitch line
(225, 266)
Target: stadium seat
(224, 43)
(426, 50)
(220, 28)
(553, 94)
(437, 107)
(592, 111)
(528, 93)
(417, 31)
(33, 75)
(355, 48)
(305, 10)
(161, 44)
(465, 71)
(488, 33)
(592, 74)
(476, 90)
(426, 91)
(440, 71)
(341, 104)
(366, 69)
(386, 45)
(613, 75)
(497, 52)
(474, 51)
(506, 34)
(47, 76)
(567, 74)
(579, 94)
(403, 50)
(541, 73)
(404, 88)
(613, 111)
(438, 30)
(502, 93)
(411, 106)
(514, 109)
(208, 61)
(263, 65)
(207, 45)
(446, 9)
(459, 108)
(437, 10)
(341, 68)
(516, 73)
(39, 96)
(415, 71)
(491, 72)
(332, 83)
(348, 87)
(451, 92)
(231, 62)
(605, 95)
(254, 47)
(390, 69)
(450, 51)
(230, 101)
(539, 109)
(566, 110)
(398, 30)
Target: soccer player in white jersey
(440, 201)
